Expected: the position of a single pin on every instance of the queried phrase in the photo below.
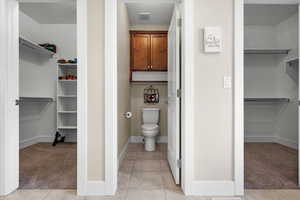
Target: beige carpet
(43, 166)
(270, 166)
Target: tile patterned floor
(146, 176)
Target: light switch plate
(227, 82)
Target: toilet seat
(150, 127)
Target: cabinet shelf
(266, 51)
(35, 47)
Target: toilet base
(150, 144)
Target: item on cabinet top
(73, 61)
(151, 95)
(61, 61)
(50, 47)
(68, 76)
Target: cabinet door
(140, 52)
(159, 52)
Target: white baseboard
(31, 141)
(34, 140)
(287, 142)
(139, 139)
(94, 188)
(212, 188)
(272, 139)
(123, 153)
(260, 139)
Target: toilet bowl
(150, 127)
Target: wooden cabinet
(149, 51)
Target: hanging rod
(266, 100)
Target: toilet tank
(150, 115)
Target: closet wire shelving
(290, 70)
(66, 100)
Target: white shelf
(68, 65)
(66, 100)
(67, 127)
(36, 99)
(67, 96)
(266, 51)
(67, 81)
(67, 112)
(267, 100)
(34, 46)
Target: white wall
(38, 77)
(213, 136)
(265, 77)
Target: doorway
(149, 102)
(271, 88)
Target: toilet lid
(149, 126)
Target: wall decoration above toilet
(151, 95)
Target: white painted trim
(34, 140)
(9, 165)
(9, 62)
(140, 139)
(95, 188)
(187, 106)
(123, 153)
(285, 2)
(82, 88)
(260, 139)
(111, 97)
(238, 97)
(43, 138)
(149, 2)
(272, 139)
(213, 188)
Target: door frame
(111, 160)
(9, 51)
(238, 73)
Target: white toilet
(150, 127)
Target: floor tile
(175, 195)
(168, 181)
(146, 180)
(156, 155)
(123, 180)
(145, 195)
(120, 195)
(131, 156)
(147, 165)
(28, 195)
(63, 195)
(164, 165)
(162, 147)
(127, 166)
(135, 147)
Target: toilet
(150, 127)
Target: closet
(47, 95)
(271, 96)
